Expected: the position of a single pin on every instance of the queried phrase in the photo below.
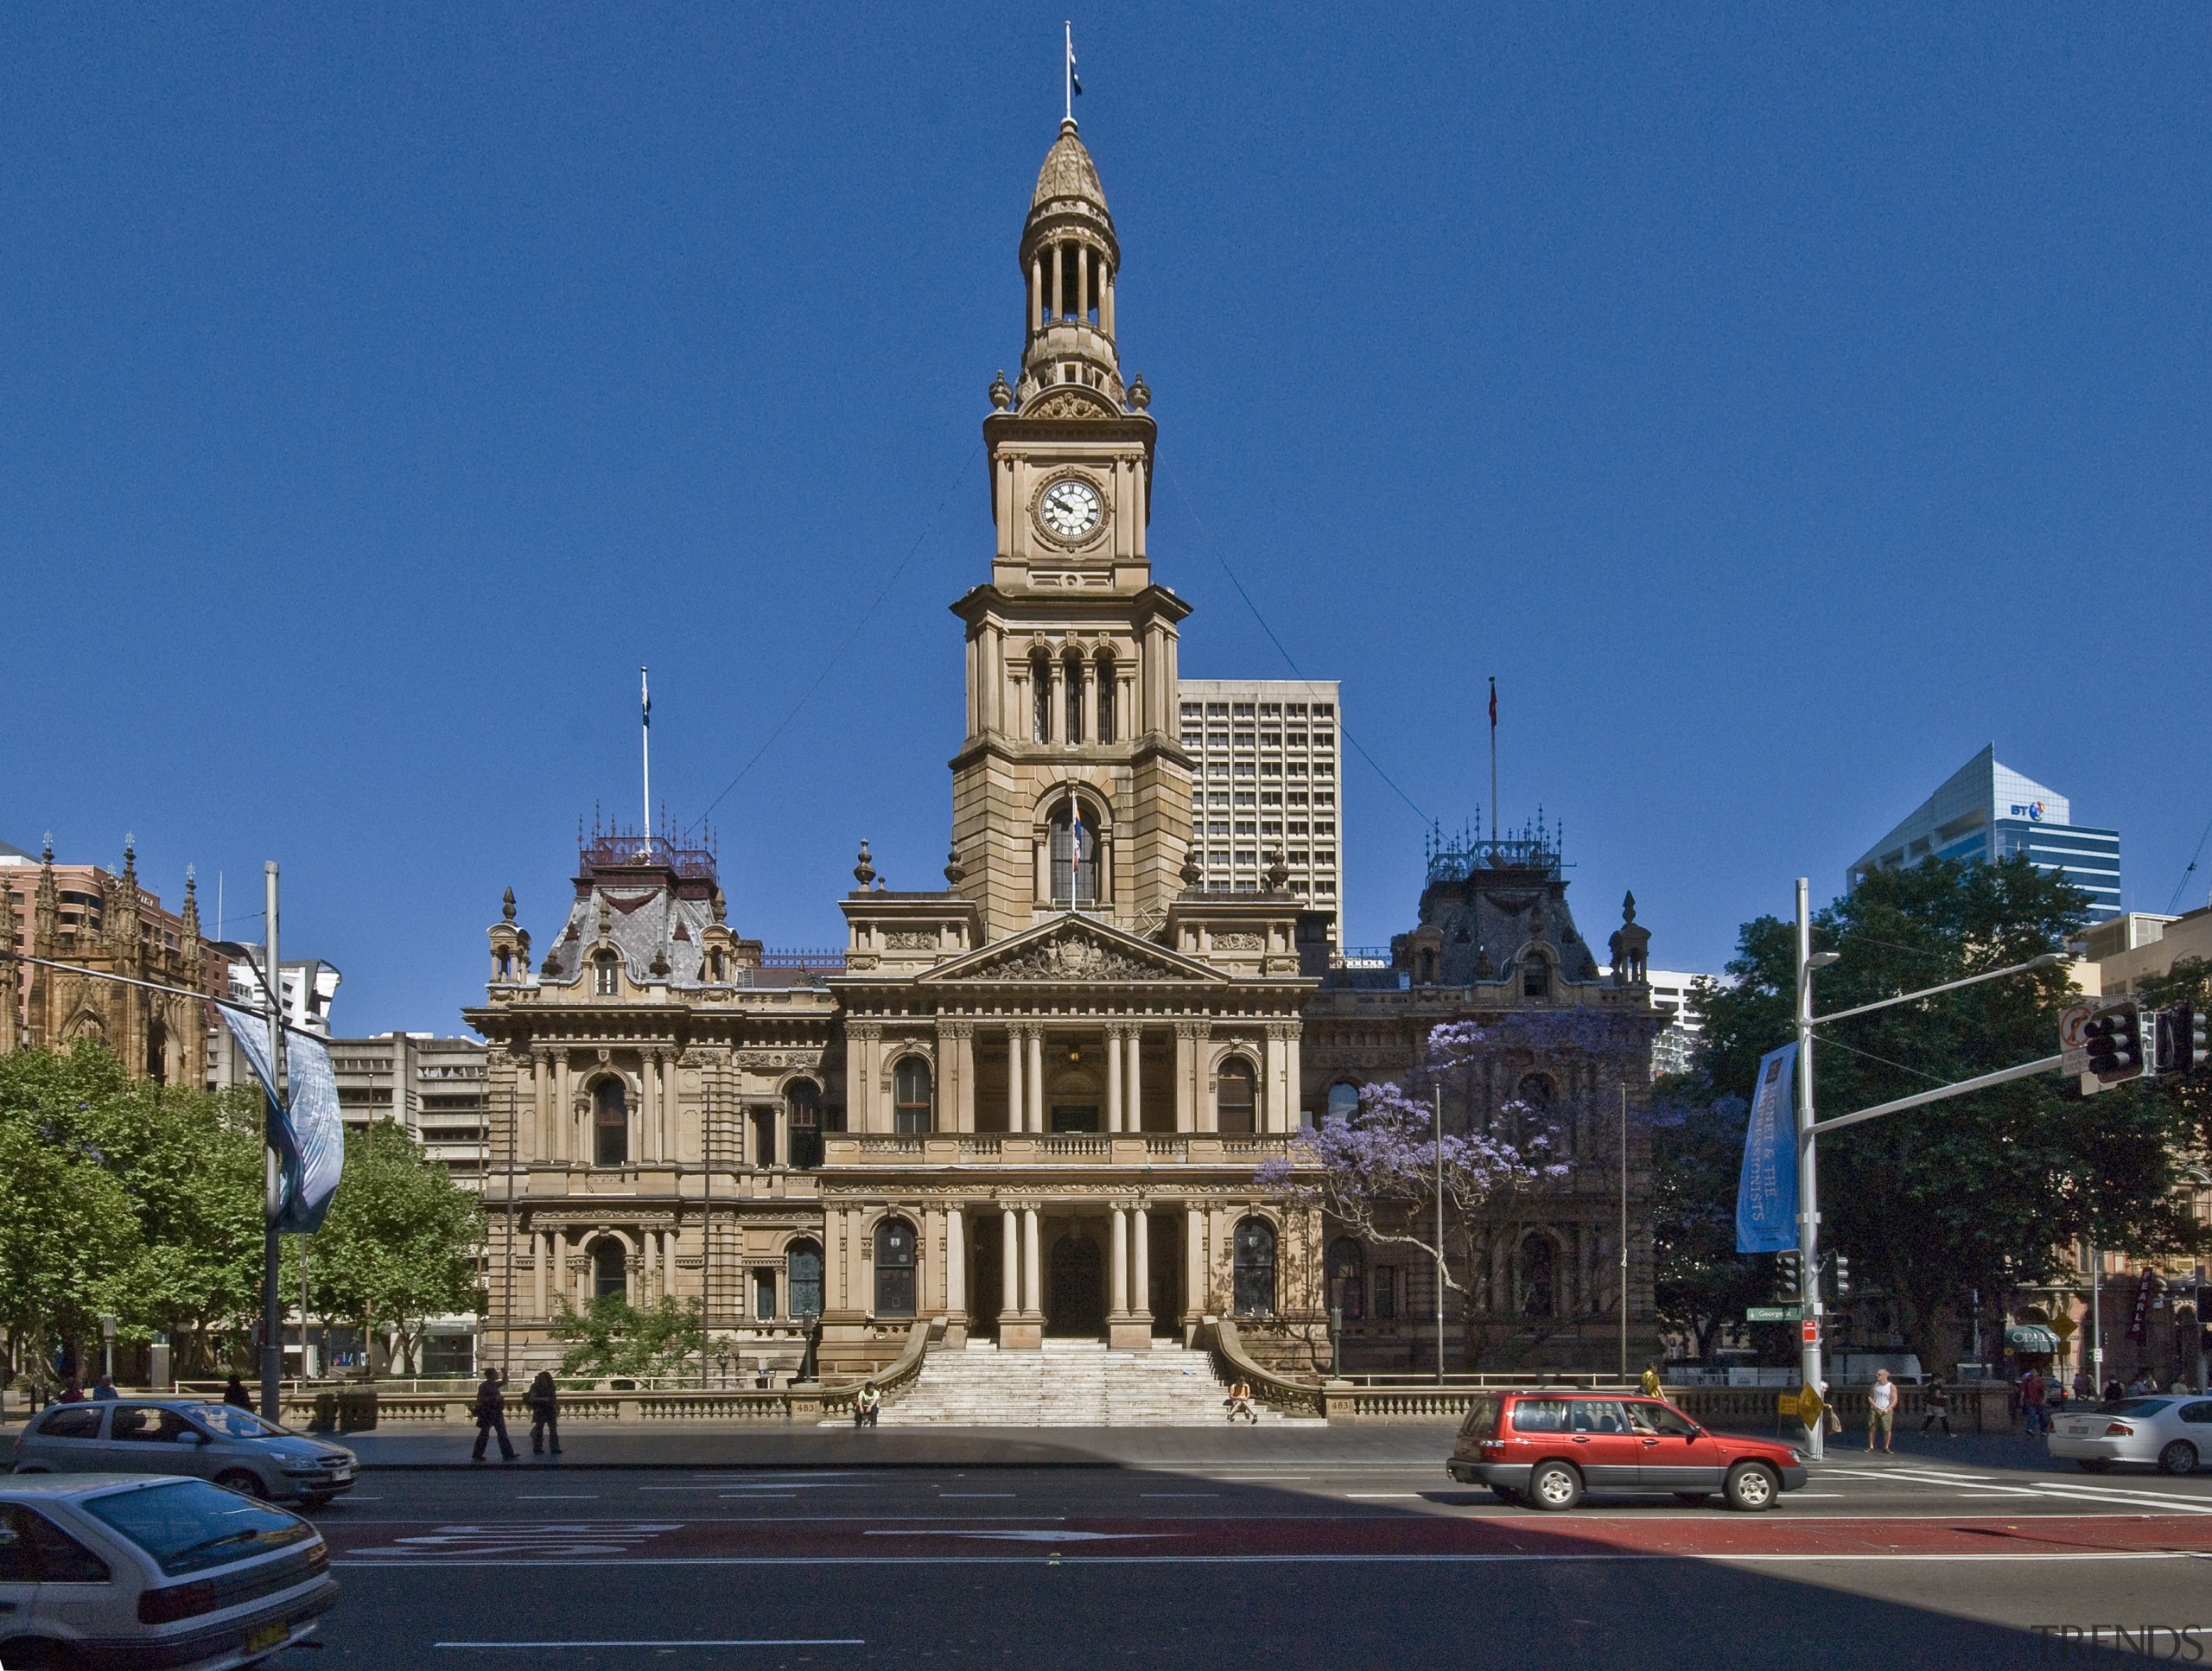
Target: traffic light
(2115, 1039)
(2178, 1044)
(1842, 1276)
(1785, 1266)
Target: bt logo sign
(2032, 811)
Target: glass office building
(1987, 810)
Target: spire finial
(507, 907)
(864, 871)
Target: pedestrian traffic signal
(2178, 1043)
(2115, 1039)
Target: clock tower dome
(1070, 792)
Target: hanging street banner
(310, 1137)
(1766, 1192)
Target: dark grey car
(219, 1442)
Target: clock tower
(1069, 791)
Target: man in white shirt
(1881, 1410)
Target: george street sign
(1772, 1313)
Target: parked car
(1547, 1448)
(2172, 1434)
(128, 1570)
(235, 1448)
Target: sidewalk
(611, 1444)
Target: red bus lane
(613, 1542)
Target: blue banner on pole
(1766, 1192)
(309, 1136)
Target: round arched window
(1234, 1096)
(1255, 1268)
(803, 1099)
(1344, 1102)
(609, 1269)
(1075, 858)
(610, 1123)
(910, 1095)
(802, 1278)
(894, 1268)
(1348, 1279)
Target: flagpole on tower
(1493, 757)
(645, 741)
(1073, 82)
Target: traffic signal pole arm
(2048, 1064)
(2048, 960)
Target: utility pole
(1437, 1093)
(1624, 1287)
(272, 1316)
(1808, 1186)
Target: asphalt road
(1296, 1552)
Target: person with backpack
(865, 1404)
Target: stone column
(648, 1266)
(1037, 1121)
(1105, 299)
(1186, 1112)
(1022, 1321)
(1194, 1260)
(563, 1114)
(1036, 294)
(1017, 1116)
(541, 1098)
(1081, 283)
(541, 1251)
(1140, 1266)
(1032, 1275)
(956, 1269)
(1119, 1288)
(1114, 1079)
(963, 1068)
(1274, 1096)
(1132, 1081)
(1009, 1268)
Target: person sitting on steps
(1239, 1402)
(866, 1403)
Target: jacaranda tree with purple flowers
(1376, 1174)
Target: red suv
(1547, 1448)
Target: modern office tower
(1988, 812)
(1265, 766)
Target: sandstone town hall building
(1031, 1103)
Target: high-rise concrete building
(1987, 811)
(434, 1087)
(1265, 766)
(308, 988)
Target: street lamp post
(1808, 1186)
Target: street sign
(2063, 1326)
(2073, 1041)
(1808, 1405)
(1812, 1332)
(1772, 1313)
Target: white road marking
(1246, 1479)
(725, 1642)
(1377, 1496)
(590, 1497)
(1103, 1557)
(1179, 1494)
(977, 1494)
(1025, 1535)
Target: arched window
(602, 974)
(1344, 1102)
(157, 1051)
(610, 1121)
(714, 967)
(1255, 1268)
(609, 1269)
(1233, 1096)
(1071, 671)
(1348, 1279)
(1427, 974)
(1539, 1265)
(1534, 1090)
(802, 1279)
(802, 1101)
(1535, 978)
(1075, 859)
(910, 1095)
(1040, 699)
(1106, 715)
(506, 966)
(894, 1268)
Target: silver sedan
(2173, 1434)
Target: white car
(2172, 1434)
(137, 1570)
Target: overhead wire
(2174, 902)
(851, 638)
(1343, 730)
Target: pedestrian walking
(545, 1401)
(103, 1388)
(1936, 1406)
(866, 1405)
(1652, 1380)
(1881, 1410)
(2035, 1413)
(2084, 1388)
(492, 1418)
(1239, 1402)
(234, 1392)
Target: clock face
(1070, 508)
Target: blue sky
(1781, 403)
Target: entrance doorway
(1075, 1116)
(986, 1289)
(1078, 1282)
(1164, 1262)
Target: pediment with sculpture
(1074, 950)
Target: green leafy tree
(1981, 1193)
(614, 1338)
(400, 1244)
(125, 1199)
(1701, 1282)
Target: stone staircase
(1071, 1383)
